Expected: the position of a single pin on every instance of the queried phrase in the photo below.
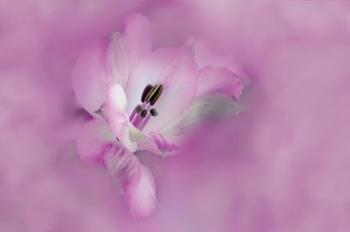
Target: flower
(143, 100)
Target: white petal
(113, 111)
(116, 97)
(129, 47)
(175, 69)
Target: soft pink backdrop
(282, 164)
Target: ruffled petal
(219, 80)
(93, 141)
(159, 144)
(122, 165)
(140, 193)
(128, 48)
(89, 77)
(176, 70)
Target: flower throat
(144, 111)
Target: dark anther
(156, 94)
(144, 113)
(139, 108)
(146, 92)
(153, 112)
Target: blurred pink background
(283, 164)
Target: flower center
(144, 111)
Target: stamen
(144, 113)
(146, 92)
(153, 112)
(140, 116)
(158, 89)
(138, 108)
(150, 93)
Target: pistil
(143, 112)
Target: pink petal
(137, 182)
(219, 80)
(128, 48)
(140, 194)
(163, 144)
(93, 141)
(159, 144)
(175, 69)
(138, 36)
(101, 65)
(113, 111)
(89, 77)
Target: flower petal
(140, 194)
(89, 77)
(128, 48)
(204, 108)
(101, 65)
(138, 36)
(175, 69)
(116, 99)
(122, 165)
(213, 79)
(113, 111)
(93, 141)
(137, 182)
(159, 144)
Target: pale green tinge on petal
(206, 108)
(135, 134)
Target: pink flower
(144, 100)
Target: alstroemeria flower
(143, 100)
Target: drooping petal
(93, 140)
(137, 182)
(140, 194)
(89, 77)
(113, 111)
(175, 70)
(126, 49)
(219, 80)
